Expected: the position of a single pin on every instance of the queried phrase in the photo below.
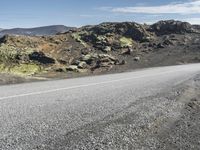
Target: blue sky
(32, 13)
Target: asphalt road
(118, 111)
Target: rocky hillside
(39, 31)
(107, 47)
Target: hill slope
(103, 48)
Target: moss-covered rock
(126, 42)
(78, 38)
(10, 54)
(25, 69)
(21, 69)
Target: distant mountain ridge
(38, 31)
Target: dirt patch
(13, 79)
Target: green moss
(10, 64)
(3, 68)
(25, 69)
(21, 69)
(126, 42)
(77, 37)
(8, 54)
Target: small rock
(168, 42)
(101, 56)
(137, 58)
(160, 45)
(62, 61)
(72, 68)
(152, 45)
(89, 58)
(123, 62)
(107, 49)
(146, 39)
(75, 62)
(105, 64)
(86, 51)
(60, 70)
(82, 65)
(127, 51)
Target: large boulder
(171, 27)
(89, 58)
(128, 29)
(133, 30)
(95, 60)
(41, 58)
(105, 60)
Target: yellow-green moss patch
(25, 69)
(126, 42)
(8, 54)
(21, 69)
(77, 37)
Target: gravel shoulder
(11, 79)
(168, 120)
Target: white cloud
(192, 20)
(192, 7)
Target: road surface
(134, 110)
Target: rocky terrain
(103, 48)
